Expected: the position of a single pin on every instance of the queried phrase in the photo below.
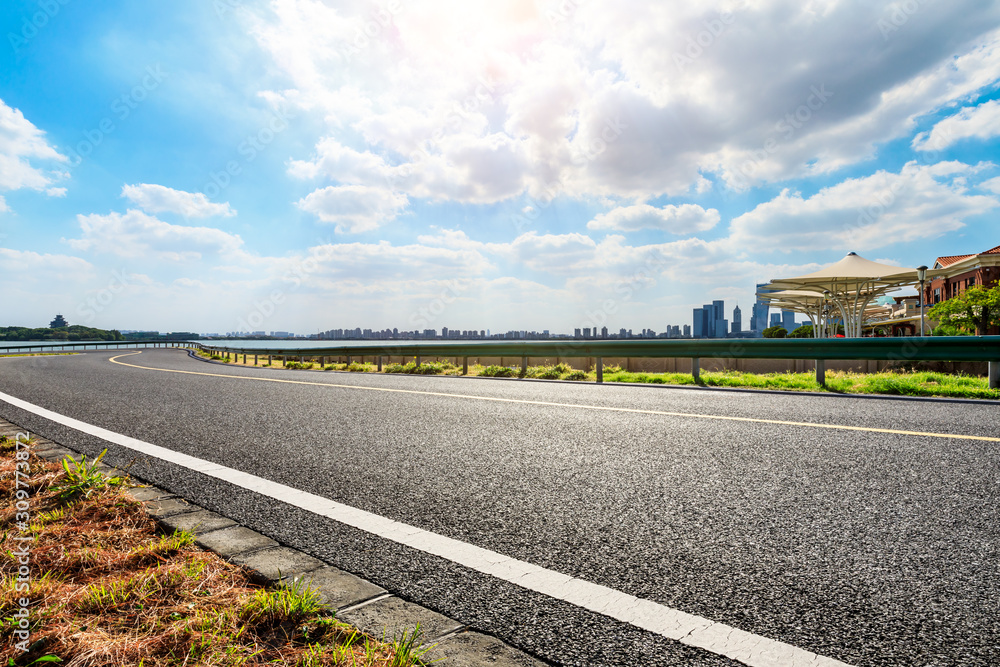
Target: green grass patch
(886, 383)
(426, 368)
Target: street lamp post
(921, 276)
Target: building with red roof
(957, 273)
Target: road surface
(864, 530)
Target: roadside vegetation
(37, 354)
(898, 383)
(106, 589)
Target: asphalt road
(870, 547)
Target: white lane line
(718, 638)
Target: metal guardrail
(929, 348)
(97, 345)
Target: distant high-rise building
(788, 320)
(687, 330)
(775, 320)
(758, 321)
(576, 333)
(604, 332)
(721, 328)
(737, 320)
(699, 322)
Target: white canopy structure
(815, 306)
(850, 285)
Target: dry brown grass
(107, 589)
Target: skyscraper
(758, 321)
(788, 320)
(698, 330)
(737, 320)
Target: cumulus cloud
(354, 208)
(20, 142)
(608, 104)
(982, 122)
(159, 199)
(3, 205)
(992, 185)
(21, 265)
(683, 219)
(135, 234)
(885, 208)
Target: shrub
(576, 375)
(544, 372)
(355, 367)
(499, 372)
(775, 332)
(423, 369)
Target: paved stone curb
(362, 604)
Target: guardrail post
(380, 363)
(600, 369)
(524, 366)
(465, 365)
(255, 361)
(348, 360)
(244, 358)
(696, 369)
(995, 375)
(269, 360)
(418, 360)
(821, 372)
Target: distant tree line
(70, 333)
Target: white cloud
(883, 209)
(599, 106)
(56, 192)
(135, 234)
(20, 141)
(982, 122)
(683, 219)
(27, 265)
(158, 199)
(3, 205)
(354, 208)
(992, 185)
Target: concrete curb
(362, 604)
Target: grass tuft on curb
(107, 589)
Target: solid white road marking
(718, 638)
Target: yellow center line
(690, 415)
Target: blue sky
(305, 165)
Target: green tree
(58, 323)
(970, 313)
(775, 332)
(804, 331)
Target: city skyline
(518, 165)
